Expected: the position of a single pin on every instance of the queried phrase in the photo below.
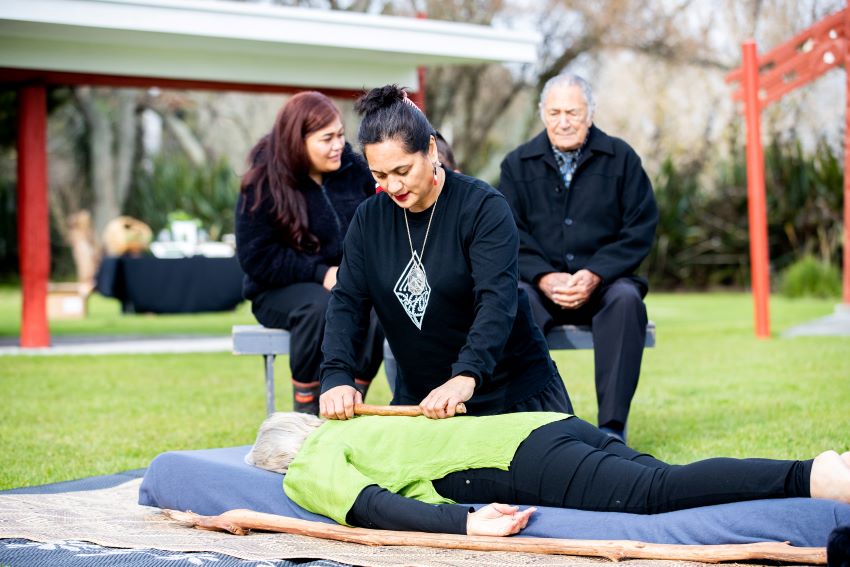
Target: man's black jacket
(605, 222)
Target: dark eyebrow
(396, 168)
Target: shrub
(810, 277)
(702, 239)
(207, 193)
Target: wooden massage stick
(412, 411)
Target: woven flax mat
(111, 517)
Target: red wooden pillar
(756, 202)
(33, 216)
(846, 269)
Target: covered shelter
(202, 44)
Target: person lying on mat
(407, 473)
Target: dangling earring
(378, 187)
(435, 174)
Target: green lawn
(708, 388)
(105, 318)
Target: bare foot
(846, 458)
(830, 477)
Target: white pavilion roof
(234, 42)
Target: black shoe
(614, 430)
(305, 397)
(306, 407)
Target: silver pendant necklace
(412, 289)
(417, 280)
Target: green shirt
(400, 454)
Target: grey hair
(569, 80)
(280, 438)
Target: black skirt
(553, 397)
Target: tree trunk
(125, 151)
(111, 148)
(100, 160)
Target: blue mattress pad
(213, 481)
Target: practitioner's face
(324, 148)
(566, 117)
(407, 178)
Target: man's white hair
(280, 438)
(568, 80)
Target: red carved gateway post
(756, 201)
(765, 79)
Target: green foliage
(173, 184)
(702, 238)
(699, 240)
(56, 97)
(810, 277)
(8, 230)
(804, 200)
(180, 215)
(8, 117)
(105, 318)
(61, 262)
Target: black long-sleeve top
(605, 222)
(268, 261)
(476, 323)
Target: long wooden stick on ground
(240, 522)
(412, 411)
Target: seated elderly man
(586, 217)
(407, 473)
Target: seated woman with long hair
(295, 205)
(407, 473)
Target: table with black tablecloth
(171, 285)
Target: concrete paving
(837, 324)
(172, 344)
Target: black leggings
(571, 464)
(300, 309)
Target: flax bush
(810, 277)
(702, 239)
(172, 183)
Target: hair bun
(378, 98)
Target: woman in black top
(435, 254)
(295, 204)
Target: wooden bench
(574, 337)
(256, 339)
(563, 337)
